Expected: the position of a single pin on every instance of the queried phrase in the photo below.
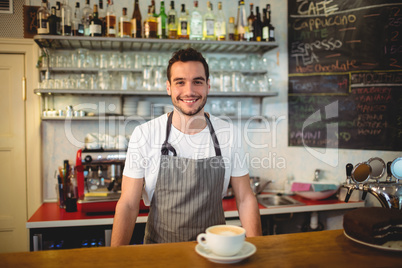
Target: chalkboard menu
(345, 74)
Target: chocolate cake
(374, 225)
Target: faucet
(257, 186)
(388, 193)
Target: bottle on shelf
(220, 24)
(231, 29)
(271, 31)
(150, 24)
(102, 16)
(250, 22)
(241, 23)
(52, 21)
(172, 22)
(136, 21)
(196, 23)
(162, 22)
(154, 8)
(87, 13)
(42, 18)
(124, 25)
(66, 19)
(110, 20)
(265, 27)
(58, 14)
(78, 27)
(257, 26)
(95, 26)
(183, 31)
(208, 25)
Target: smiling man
(181, 164)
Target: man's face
(189, 87)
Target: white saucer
(246, 251)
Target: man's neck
(189, 124)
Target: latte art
(226, 230)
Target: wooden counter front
(315, 249)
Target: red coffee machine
(99, 175)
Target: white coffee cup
(223, 240)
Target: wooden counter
(315, 249)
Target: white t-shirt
(144, 150)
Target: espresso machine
(99, 175)
(368, 178)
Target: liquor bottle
(162, 22)
(124, 24)
(136, 21)
(271, 32)
(110, 20)
(102, 16)
(250, 22)
(154, 9)
(196, 23)
(86, 17)
(257, 26)
(172, 22)
(42, 17)
(95, 26)
(78, 27)
(52, 21)
(58, 14)
(208, 24)
(236, 34)
(66, 18)
(241, 24)
(265, 27)
(183, 31)
(150, 24)
(220, 24)
(231, 29)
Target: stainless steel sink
(273, 200)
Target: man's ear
(209, 86)
(168, 88)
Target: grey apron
(188, 194)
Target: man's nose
(188, 88)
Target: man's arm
(127, 210)
(247, 205)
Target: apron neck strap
(213, 136)
(166, 146)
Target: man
(181, 164)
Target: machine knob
(349, 168)
(88, 159)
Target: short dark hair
(184, 55)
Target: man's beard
(189, 113)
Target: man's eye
(198, 82)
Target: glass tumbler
(81, 57)
(225, 82)
(104, 60)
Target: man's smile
(189, 100)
